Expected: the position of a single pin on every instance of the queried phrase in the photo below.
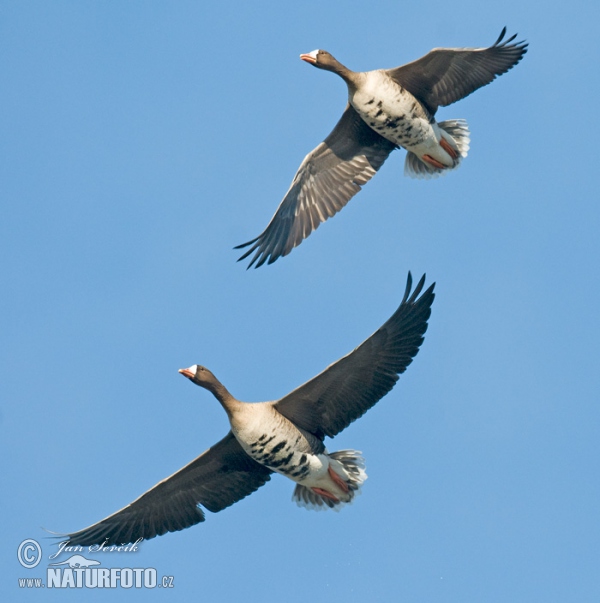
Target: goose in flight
(284, 436)
(387, 109)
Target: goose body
(275, 442)
(387, 109)
(285, 436)
(394, 113)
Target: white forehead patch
(193, 369)
(314, 54)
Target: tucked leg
(448, 148)
(325, 494)
(337, 480)
(434, 162)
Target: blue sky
(141, 141)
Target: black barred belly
(406, 127)
(279, 455)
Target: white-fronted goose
(387, 109)
(285, 436)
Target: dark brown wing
(446, 75)
(218, 478)
(348, 388)
(327, 179)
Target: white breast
(391, 110)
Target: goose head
(323, 60)
(201, 376)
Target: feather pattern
(445, 75)
(219, 477)
(345, 390)
(327, 179)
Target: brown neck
(349, 76)
(220, 392)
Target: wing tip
(522, 45)
(247, 243)
(411, 298)
(255, 247)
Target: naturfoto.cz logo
(80, 572)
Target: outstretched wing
(346, 389)
(218, 478)
(327, 179)
(446, 75)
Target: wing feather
(345, 390)
(445, 75)
(327, 179)
(216, 479)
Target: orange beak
(308, 58)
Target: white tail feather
(350, 466)
(459, 131)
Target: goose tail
(349, 465)
(458, 131)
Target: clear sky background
(141, 141)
